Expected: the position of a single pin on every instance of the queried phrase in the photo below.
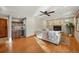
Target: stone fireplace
(56, 25)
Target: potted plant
(70, 27)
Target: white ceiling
(60, 12)
(19, 11)
(34, 11)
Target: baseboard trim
(31, 36)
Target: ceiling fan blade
(52, 12)
(47, 14)
(41, 11)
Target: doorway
(3, 28)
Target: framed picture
(77, 24)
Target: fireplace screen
(57, 28)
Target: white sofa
(51, 36)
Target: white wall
(76, 32)
(33, 25)
(39, 25)
(30, 26)
(77, 35)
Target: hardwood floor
(26, 45)
(34, 45)
(3, 48)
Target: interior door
(3, 27)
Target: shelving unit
(18, 28)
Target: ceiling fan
(46, 13)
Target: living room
(30, 28)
